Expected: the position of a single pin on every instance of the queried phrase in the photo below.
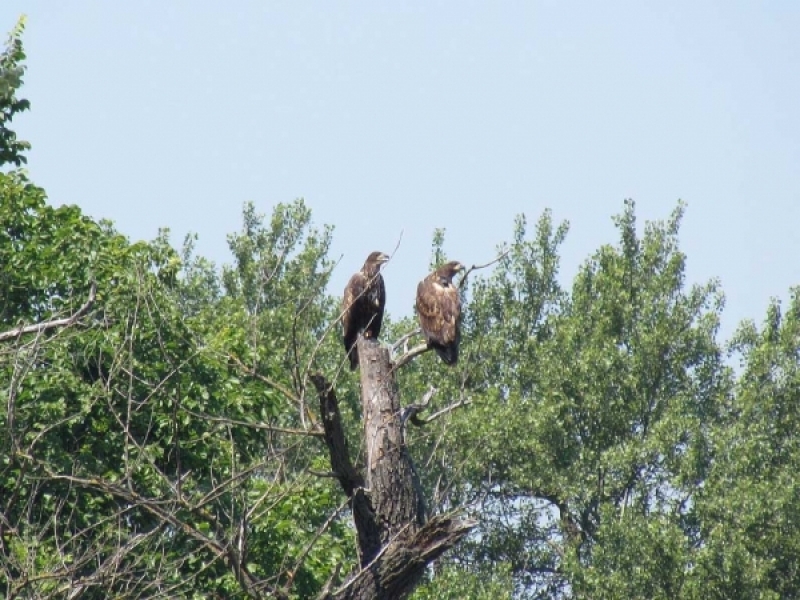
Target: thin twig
(53, 323)
(252, 373)
(318, 534)
(483, 266)
(326, 589)
(264, 426)
(324, 474)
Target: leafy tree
(589, 414)
(11, 73)
(748, 509)
(146, 452)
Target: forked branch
(411, 412)
(404, 339)
(411, 355)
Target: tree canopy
(165, 431)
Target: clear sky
(407, 116)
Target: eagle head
(372, 266)
(376, 259)
(449, 270)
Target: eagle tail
(448, 354)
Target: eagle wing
(439, 310)
(351, 303)
(376, 298)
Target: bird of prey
(362, 304)
(439, 310)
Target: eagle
(439, 310)
(362, 304)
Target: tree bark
(395, 542)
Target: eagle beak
(384, 258)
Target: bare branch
(483, 266)
(53, 323)
(160, 509)
(334, 436)
(412, 410)
(252, 373)
(402, 341)
(411, 355)
(326, 589)
(352, 482)
(397, 245)
(463, 402)
(262, 426)
(323, 474)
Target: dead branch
(411, 355)
(326, 589)
(411, 411)
(500, 257)
(350, 479)
(400, 566)
(53, 323)
(323, 474)
(419, 422)
(334, 436)
(402, 341)
(262, 426)
(159, 509)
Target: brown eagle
(362, 304)
(439, 310)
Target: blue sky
(404, 117)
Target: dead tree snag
(396, 542)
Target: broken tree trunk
(396, 543)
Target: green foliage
(49, 254)
(587, 407)
(452, 583)
(749, 507)
(143, 440)
(635, 556)
(279, 276)
(11, 73)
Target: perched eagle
(439, 310)
(362, 304)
